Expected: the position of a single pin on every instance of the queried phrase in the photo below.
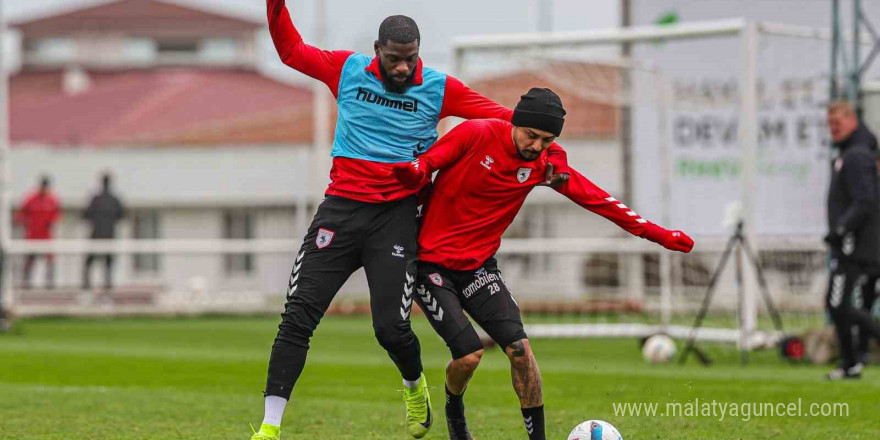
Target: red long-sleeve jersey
(38, 213)
(360, 179)
(480, 187)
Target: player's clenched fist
(672, 240)
(409, 173)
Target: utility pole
(543, 11)
(847, 66)
(5, 212)
(321, 119)
(626, 110)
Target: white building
(200, 144)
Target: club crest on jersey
(325, 237)
(523, 174)
(436, 279)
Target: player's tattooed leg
(525, 374)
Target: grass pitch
(203, 378)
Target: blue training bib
(376, 125)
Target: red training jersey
(38, 213)
(480, 187)
(359, 179)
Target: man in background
(869, 295)
(38, 214)
(104, 212)
(854, 231)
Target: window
(219, 50)
(51, 50)
(177, 52)
(178, 47)
(145, 225)
(238, 225)
(140, 50)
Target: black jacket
(103, 212)
(853, 199)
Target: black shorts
(346, 235)
(444, 295)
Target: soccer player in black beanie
(485, 170)
(540, 108)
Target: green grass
(203, 378)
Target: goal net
(696, 126)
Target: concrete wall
(191, 189)
(163, 177)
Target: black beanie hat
(541, 109)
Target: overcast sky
(352, 24)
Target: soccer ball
(658, 349)
(594, 430)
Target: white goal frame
(749, 35)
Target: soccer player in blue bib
(388, 109)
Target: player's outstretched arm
(461, 101)
(587, 194)
(323, 65)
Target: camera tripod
(739, 245)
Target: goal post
(726, 125)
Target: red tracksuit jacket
(365, 180)
(481, 186)
(38, 213)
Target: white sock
(274, 410)
(411, 383)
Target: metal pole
(321, 122)
(5, 211)
(743, 304)
(748, 141)
(459, 70)
(835, 47)
(546, 16)
(626, 143)
(855, 94)
(664, 97)
(693, 30)
(542, 10)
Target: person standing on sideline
(38, 214)
(854, 230)
(869, 293)
(103, 213)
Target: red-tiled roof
(587, 92)
(138, 17)
(160, 107)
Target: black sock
(534, 420)
(454, 405)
